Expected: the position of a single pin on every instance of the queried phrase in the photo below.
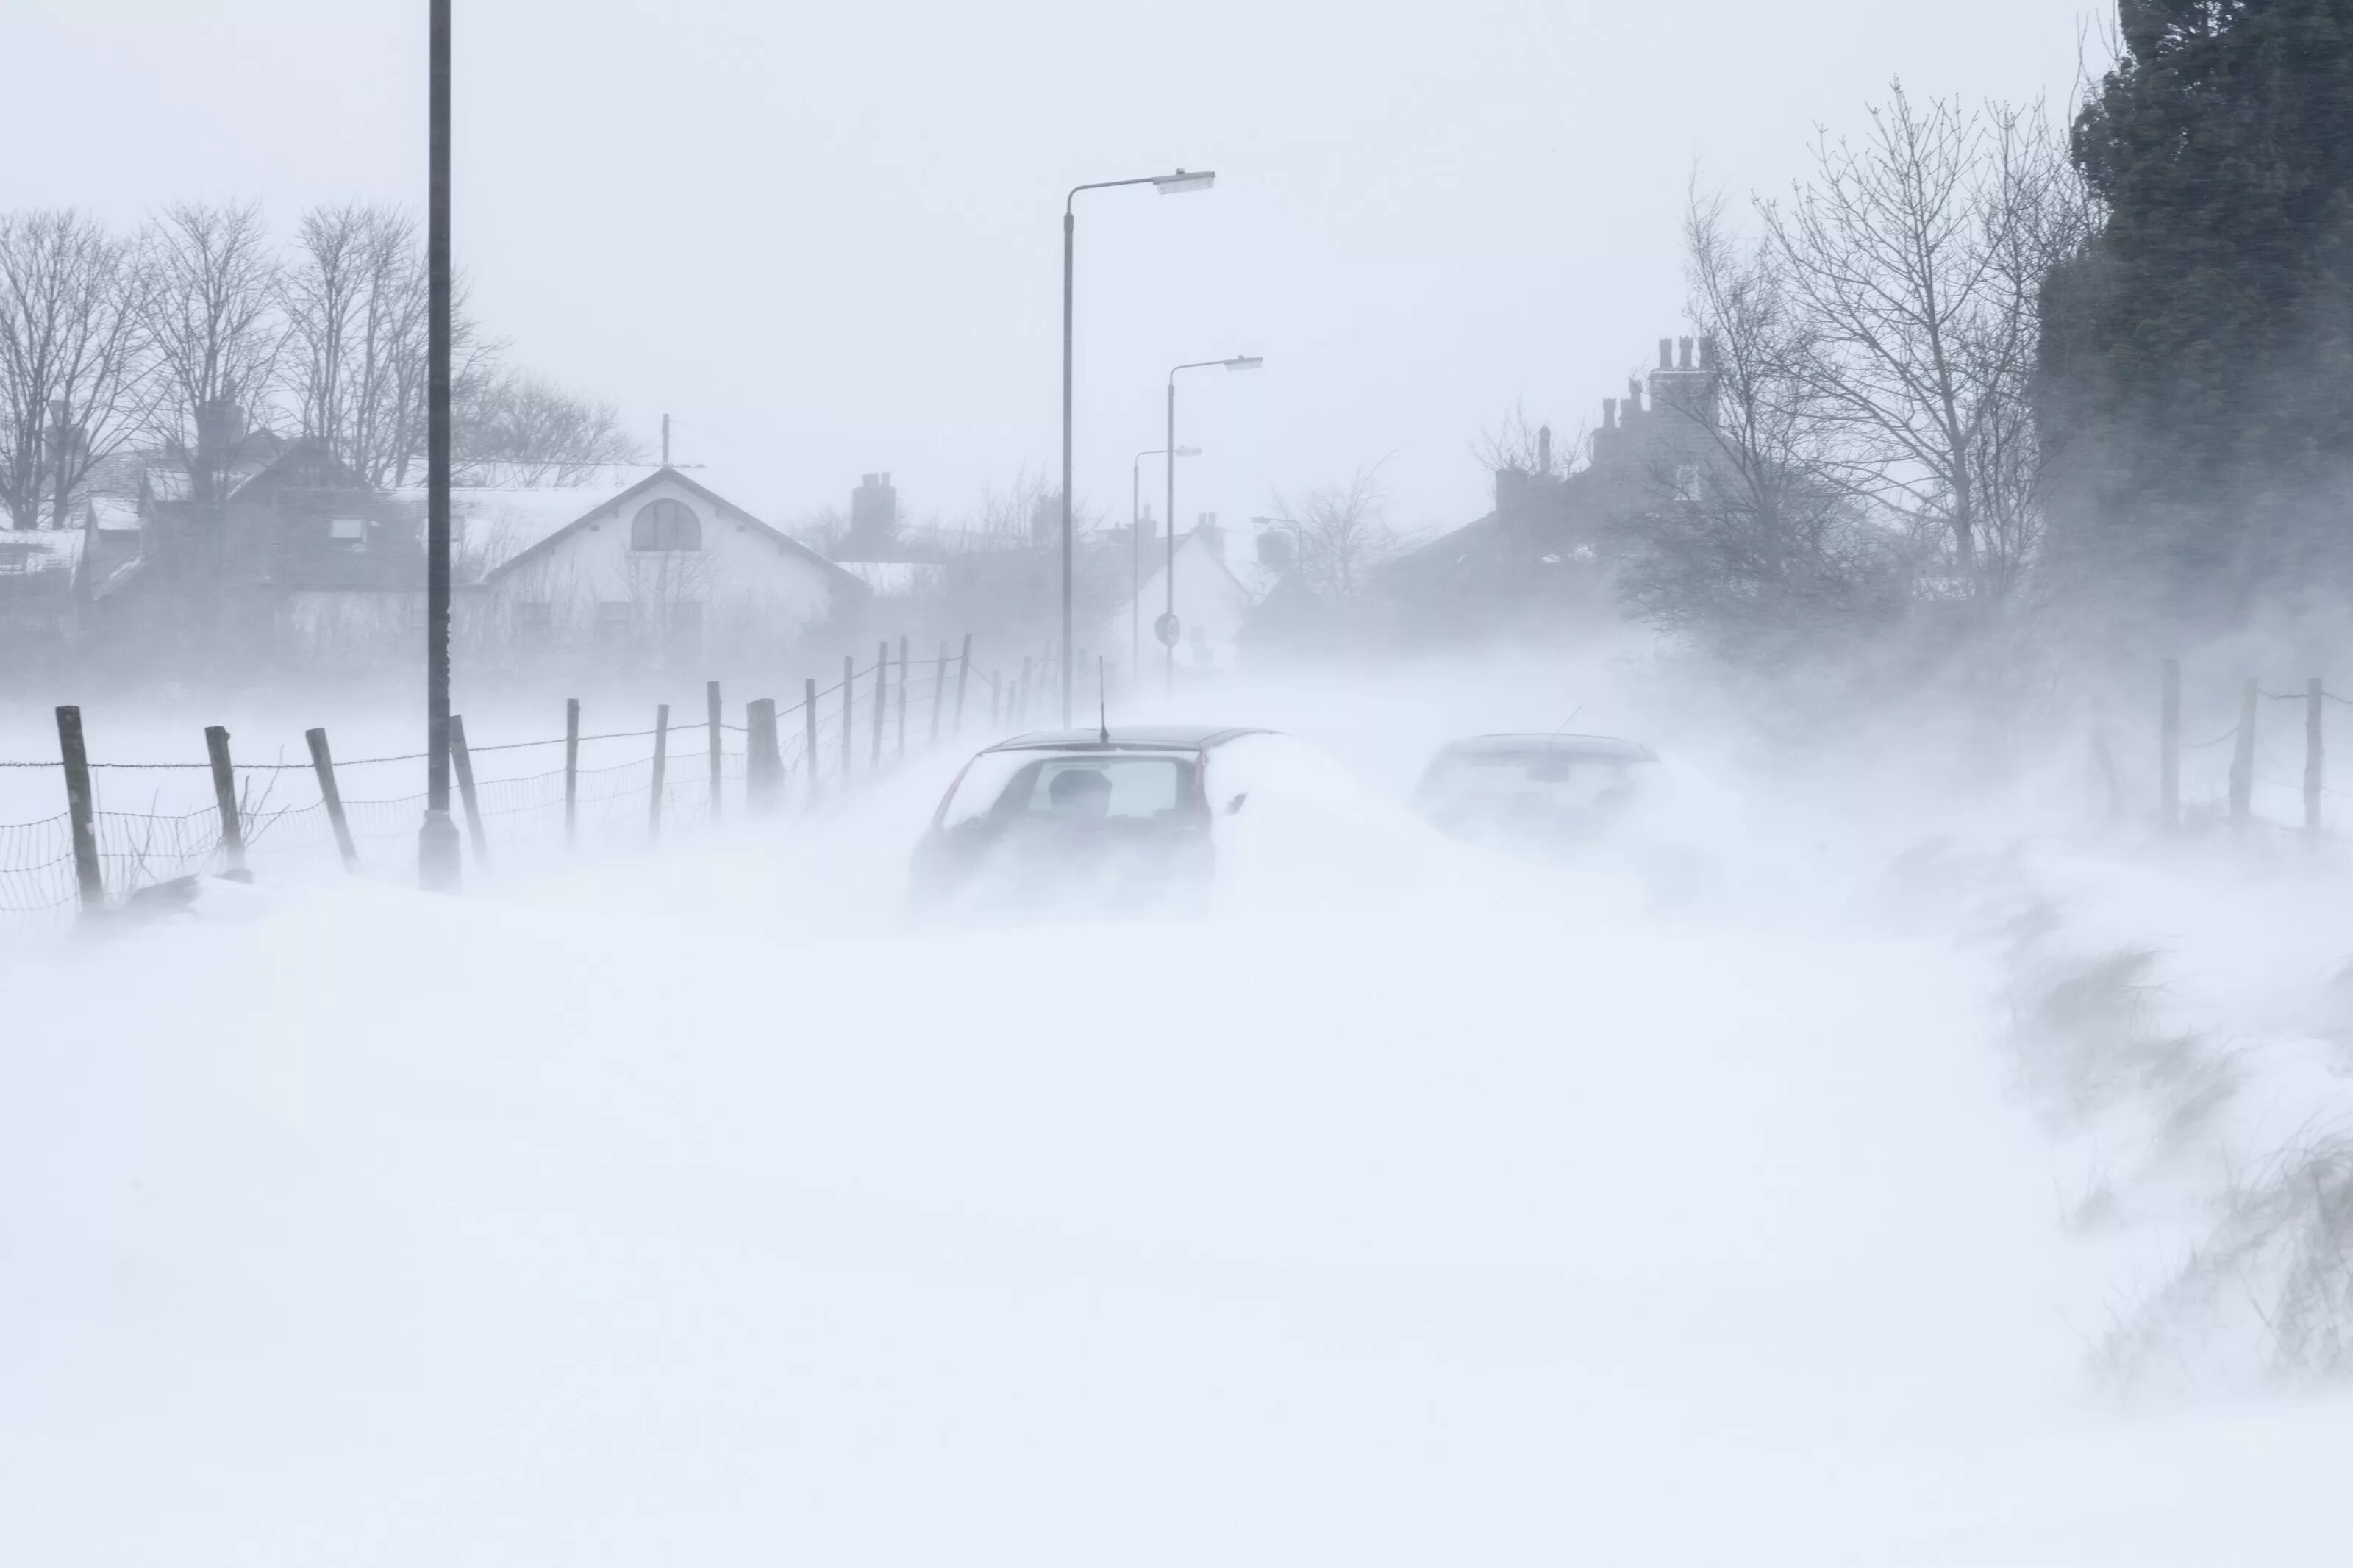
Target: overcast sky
(827, 238)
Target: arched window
(666, 525)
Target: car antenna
(1103, 700)
(1573, 712)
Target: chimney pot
(1708, 354)
(1683, 352)
(1609, 413)
(1666, 354)
(1543, 449)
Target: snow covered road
(689, 1210)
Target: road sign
(1165, 628)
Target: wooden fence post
(1021, 694)
(661, 766)
(463, 761)
(939, 695)
(2315, 767)
(808, 730)
(763, 763)
(849, 731)
(901, 744)
(882, 702)
(82, 810)
(2242, 761)
(571, 771)
(2168, 748)
(718, 732)
(995, 700)
(323, 763)
(232, 820)
(964, 679)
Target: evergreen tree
(2196, 361)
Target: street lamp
(1168, 618)
(1177, 185)
(1136, 550)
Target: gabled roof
(615, 504)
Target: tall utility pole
(437, 841)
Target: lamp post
(436, 840)
(1168, 618)
(1175, 184)
(1135, 549)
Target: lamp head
(1187, 452)
(1246, 362)
(1184, 180)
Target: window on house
(534, 622)
(347, 530)
(613, 624)
(685, 630)
(666, 525)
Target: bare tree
(211, 306)
(1767, 537)
(1515, 443)
(1015, 516)
(1915, 254)
(1340, 536)
(538, 433)
(73, 383)
(355, 306)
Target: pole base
(439, 867)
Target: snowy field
(1409, 1207)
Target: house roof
(114, 513)
(895, 579)
(613, 504)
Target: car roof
(1509, 745)
(1127, 737)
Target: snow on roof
(41, 550)
(503, 523)
(502, 514)
(115, 513)
(895, 579)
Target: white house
(651, 573)
(1212, 601)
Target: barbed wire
(611, 801)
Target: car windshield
(1549, 778)
(1078, 787)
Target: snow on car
(1091, 816)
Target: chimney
(1633, 395)
(1666, 354)
(1708, 354)
(1609, 413)
(873, 518)
(1684, 346)
(1543, 449)
(1212, 536)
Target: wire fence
(531, 800)
(2267, 772)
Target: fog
(1410, 1201)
